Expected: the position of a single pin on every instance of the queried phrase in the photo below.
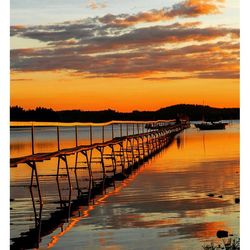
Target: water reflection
(165, 205)
(178, 141)
(45, 225)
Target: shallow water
(163, 205)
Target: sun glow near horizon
(66, 92)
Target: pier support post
(32, 140)
(121, 130)
(38, 219)
(112, 131)
(90, 135)
(58, 138)
(103, 135)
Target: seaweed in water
(229, 244)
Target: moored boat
(211, 125)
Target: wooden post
(112, 131)
(121, 129)
(90, 135)
(103, 134)
(32, 140)
(76, 133)
(133, 128)
(58, 138)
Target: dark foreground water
(163, 205)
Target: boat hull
(211, 126)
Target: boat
(211, 125)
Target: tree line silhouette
(193, 112)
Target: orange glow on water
(97, 202)
(178, 181)
(209, 229)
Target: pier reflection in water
(164, 204)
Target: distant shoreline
(184, 111)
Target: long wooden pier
(102, 163)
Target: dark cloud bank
(115, 46)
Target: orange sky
(61, 91)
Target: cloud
(194, 8)
(167, 78)
(234, 74)
(157, 35)
(111, 46)
(199, 61)
(94, 5)
(186, 9)
(219, 75)
(94, 39)
(21, 79)
(58, 32)
(115, 24)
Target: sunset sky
(124, 55)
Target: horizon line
(131, 111)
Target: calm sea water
(163, 205)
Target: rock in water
(210, 195)
(222, 234)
